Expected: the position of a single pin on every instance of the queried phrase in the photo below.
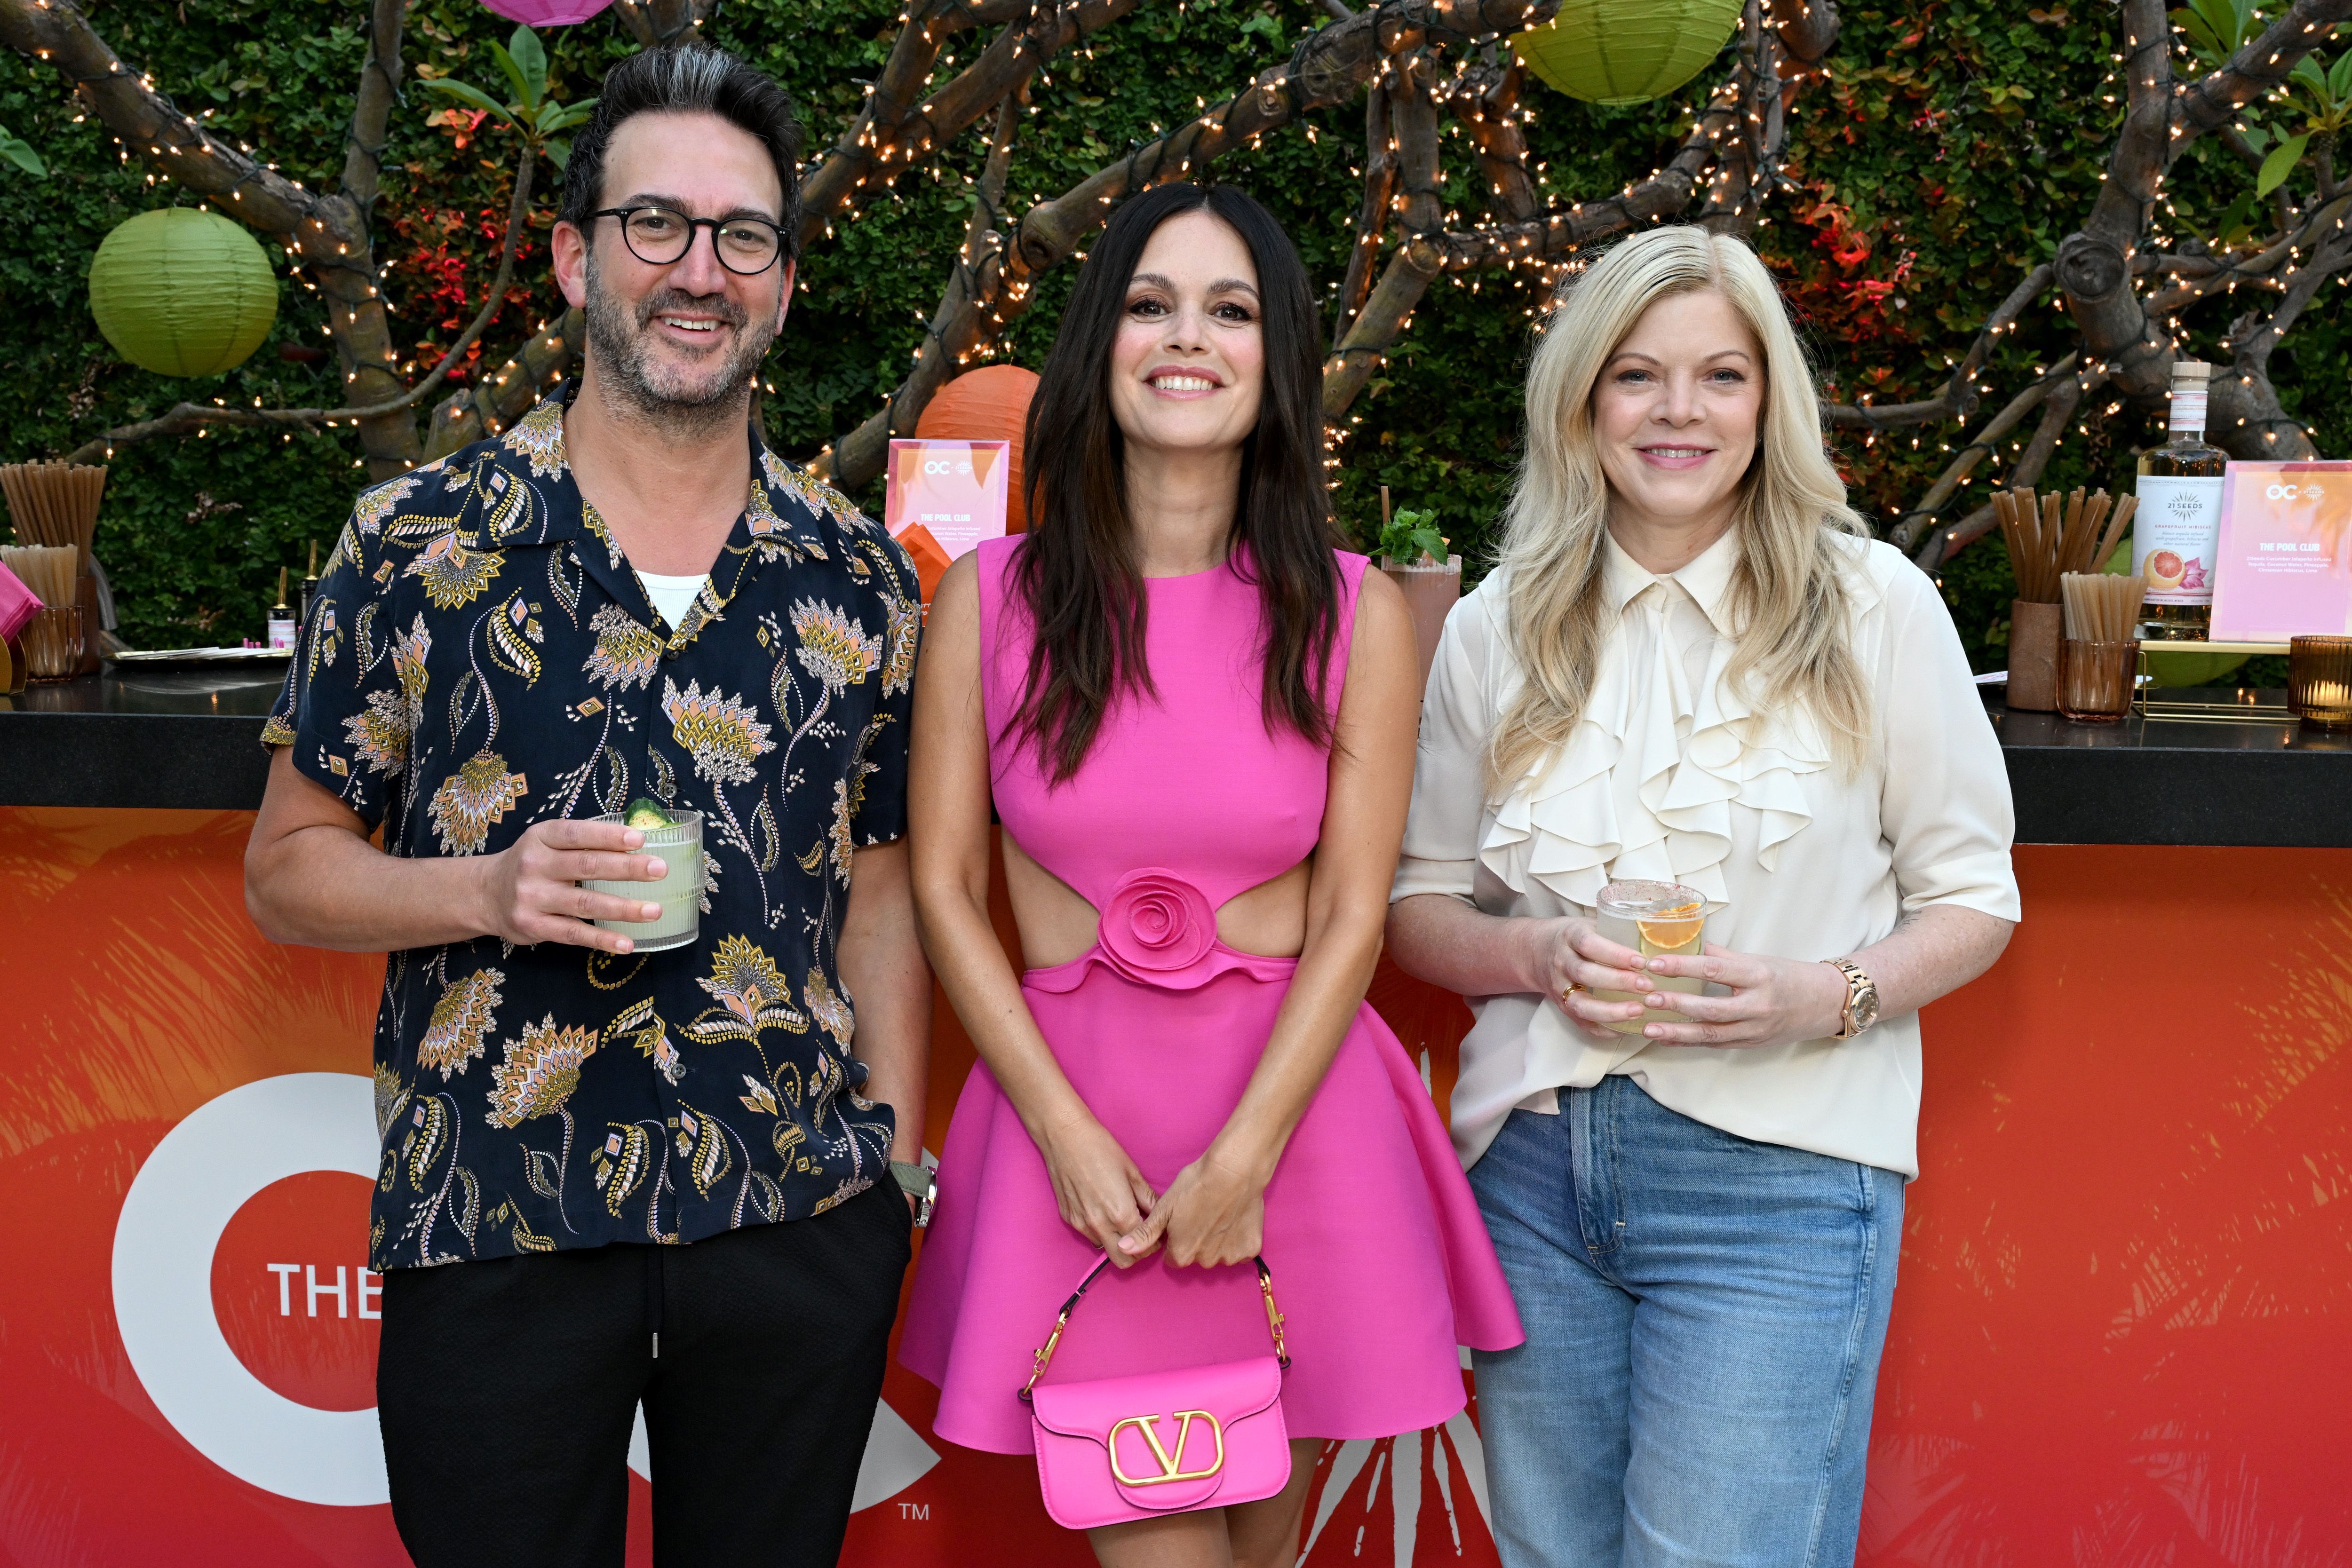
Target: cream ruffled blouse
(1671, 775)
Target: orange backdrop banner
(2121, 1333)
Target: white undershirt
(673, 596)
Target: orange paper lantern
(990, 403)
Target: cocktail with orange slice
(1654, 919)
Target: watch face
(1866, 1007)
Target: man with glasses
(620, 1172)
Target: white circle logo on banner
(179, 1204)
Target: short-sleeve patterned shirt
(480, 656)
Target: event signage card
(953, 490)
(2284, 561)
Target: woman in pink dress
(1194, 717)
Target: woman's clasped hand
(1768, 1001)
(1213, 1212)
(1100, 1192)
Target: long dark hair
(1078, 573)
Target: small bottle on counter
(281, 617)
(310, 591)
(2178, 528)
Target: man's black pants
(507, 1390)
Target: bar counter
(2126, 1303)
(193, 741)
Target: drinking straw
(2050, 536)
(48, 569)
(2101, 606)
(2115, 527)
(55, 503)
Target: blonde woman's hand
(1573, 960)
(1773, 1002)
(1101, 1193)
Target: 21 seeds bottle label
(2174, 536)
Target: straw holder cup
(2034, 631)
(2094, 679)
(53, 642)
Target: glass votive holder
(679, 891)
(2094, 679)
(53, 642)
(2319, 681)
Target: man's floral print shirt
(481, 657)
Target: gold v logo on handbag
(1099, 1462)
(1172, 1467)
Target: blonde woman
(1692, 666)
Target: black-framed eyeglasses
(657, 236)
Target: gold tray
(2228, 704)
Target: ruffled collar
(1646, 784)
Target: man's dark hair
(690, 78)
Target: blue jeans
(1704, 1318)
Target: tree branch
(2058, 414)
(653, 23)
(1421, 219)
(1372, 215)
(491, 404)
(1486, 102)
(1913, 525)
(2262, 64)
(2095, 264)
(1326, 67)
(1959, 398)
(1664, 194)
(877, 148)
(1808, 29)
(1417, 264)
(952, 332)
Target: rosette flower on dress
(1156, 925)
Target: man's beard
(689, 404)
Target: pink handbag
(1117, 1449)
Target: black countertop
(194, 741)
(159, 739)
(2161, 781)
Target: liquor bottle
(282, 618)
(2178, 523)
(310, 591)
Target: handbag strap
(1044, 1355)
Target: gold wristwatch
(1861, 1008)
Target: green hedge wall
(1957, 142)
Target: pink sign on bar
(2284, 560)
(953, 490)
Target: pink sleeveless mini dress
(1379, 1259)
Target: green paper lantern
(182, 292)
(1626, 51)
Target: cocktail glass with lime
(1653, 918)
(676, 837)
